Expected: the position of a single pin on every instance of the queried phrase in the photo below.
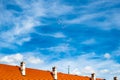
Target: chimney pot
(22, 68)
(93, 76)
(54, 73)
(115, 78)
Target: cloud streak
(98, 17)
(89, 41)
(28, 18)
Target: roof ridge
(9, 71)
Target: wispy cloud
(60, 48)
(59, 35)
(34, 60)
(28, 18)
(58, 9)
(89, 41)
(107, 55)
(82, 18)
(81, 65)
(98, 17)
(55, 35)
(21, 41)
(11, 59)
(89, 69)
(15, 59)
(85, 65)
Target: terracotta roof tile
(8, 72)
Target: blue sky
(84, 34)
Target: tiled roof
(8, 72)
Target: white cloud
(85, 65)
(40, 9)
(58, 8)
(100, 4)
(28, 19)
(34, 9)
(81, 65)
(107, 56)
(12, 59)
(20, 33)
(59, 35)
(34, 60)
(89, 41)
(61, 48)
(81, 19)
(55, 35)
(89, 15)
(15, 59)
(6, 45)
(104, 71)
(20, 42)
(88, 69)
(76, 71)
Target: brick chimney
(93, 76)
(115, 78)
(22, 68)
(54, 73)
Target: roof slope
(8, 72)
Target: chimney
(54, 73)
(22, 68)
(93, 76)
(115, 78)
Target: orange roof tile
(8, 72)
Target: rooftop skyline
(82, 34)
